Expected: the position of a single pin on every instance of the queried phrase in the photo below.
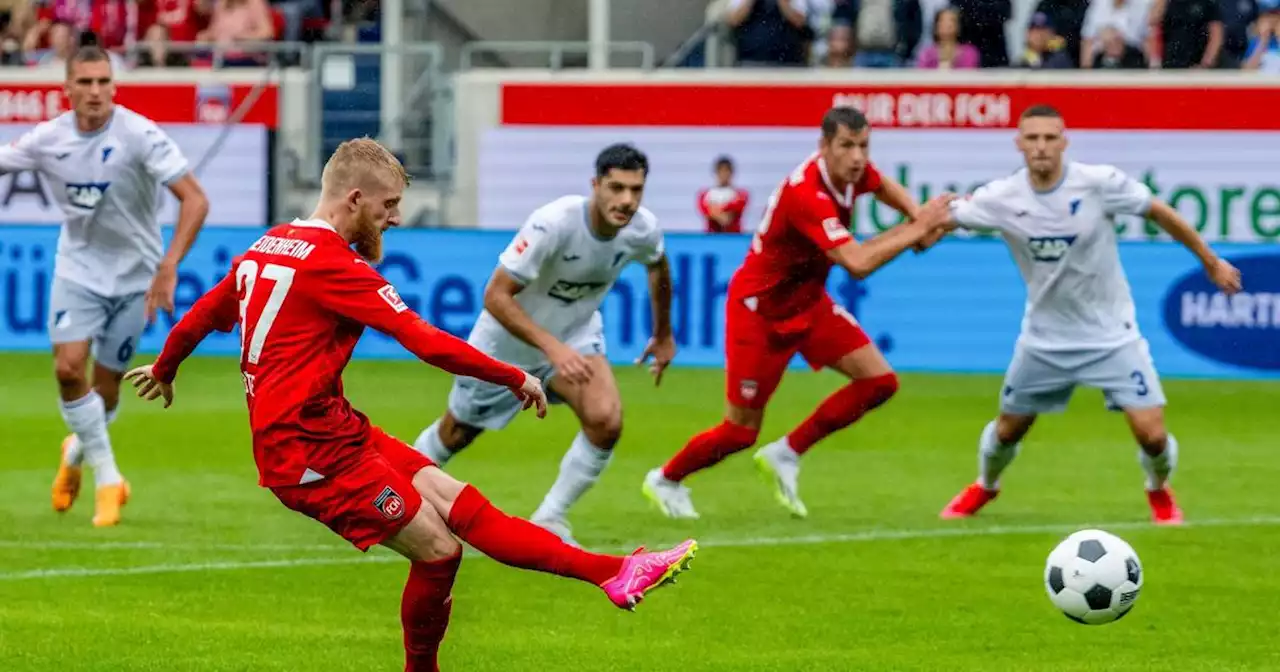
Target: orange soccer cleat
(1163, 509)
(110, 500)
(66, 484)
(969, 501)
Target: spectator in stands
(878, 43)
(1237, 18)
(770, 32)
(1067, 19)
(164, 21)
(948, 52)
(1192, 32)
(839, 46)
(15, 19)
(722, 205)
(982, 24)
(75, 14)
(1045, 49)
(915, 25)
(237, 21)
(1116, 54)
(1264, 48)
(110, 23)
(1131, 17)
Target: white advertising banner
(234, 176)
(1227, 184)
(1207, 144)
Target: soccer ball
(1093, 576)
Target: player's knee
(1011, 428)
(603, 429)
(69, 371)
(1151, 437)
(885, 387)
(455, 435)
(438, 489)
(443, 546)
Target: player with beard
(778, 306)
(302, 298)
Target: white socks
(87, 418)
(75, 451)
(1160, 467)
(428, 443)
(579, 470)
(993, 457)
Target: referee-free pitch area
(209, 572)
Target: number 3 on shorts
(1141, 380)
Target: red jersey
(302, 298)
(728, 199)
(785, 272)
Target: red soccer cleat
(968, 502)
(1163, 509)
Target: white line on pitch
(853, 537)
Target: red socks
(842, 409)
(520, 543)
(424, 611)
(708, 448)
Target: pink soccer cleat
(969, 501)
(642, 572)
(1163, 509)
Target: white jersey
(1064, 242)
(566, 272)
(106, 184)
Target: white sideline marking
(159, 545)
(802, 540)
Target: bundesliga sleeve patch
(835, 230)
(389, 503)
(392, 297)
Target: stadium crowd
(958, 34)
(137, 32)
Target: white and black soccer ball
(1094, 577)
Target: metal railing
(414, 122)
(219, 53)
(555, 51)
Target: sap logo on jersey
(87, 195)
(569, 291)
(1242, 330)
(1050, 248)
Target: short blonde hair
(357, 163)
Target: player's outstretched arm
(861, 260)
(500, 301)
(193, 207)
(349, 287)
(1219, 270)
(216, 310)
(662, 345)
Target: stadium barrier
(1206, 142)
(954, 308)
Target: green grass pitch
(209, 572)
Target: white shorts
(1040, 381)
(112, 324)
(487, 406)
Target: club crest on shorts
(389, 503)
(748, 389)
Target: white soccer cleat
(559, 527)
(780, 467)
(670, 497)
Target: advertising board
(956, 308)
(1210, 151)
(233, 160)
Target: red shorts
(369, 501)
(758, 350)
